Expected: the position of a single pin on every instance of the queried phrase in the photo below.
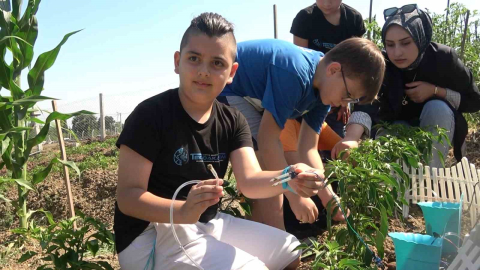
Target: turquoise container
(441, 218)
(416, 251)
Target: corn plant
(63, 247)
(18, 33)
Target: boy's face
(205, 65)
(336, 88)
(328, 6)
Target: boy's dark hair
(210, 24)
(360, 59)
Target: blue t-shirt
(280, 75)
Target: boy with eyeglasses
(277, 80)
(321, 26)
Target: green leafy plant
(372, 185)
(418, 138)
(66, 248)
(18, 33)
(330, 256)
(235, 203)
(374, 32)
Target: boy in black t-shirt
(170, 139)
(326, 23)
(321, 27)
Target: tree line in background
(84, 127)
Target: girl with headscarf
(425, 84)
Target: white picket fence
(448, 184)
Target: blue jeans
(434, 113)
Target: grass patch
(90, 156)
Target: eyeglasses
(394, 10)
(349, 98)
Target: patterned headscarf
(419, 25)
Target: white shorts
(225, 242)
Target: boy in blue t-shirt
(277, 80)
(321, 26)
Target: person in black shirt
(326, 23)
(425, 84)
(170, 139)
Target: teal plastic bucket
(416, 251)
(441, 218)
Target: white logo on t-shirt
(181, 156)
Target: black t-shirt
(180, 148)
(310, 24)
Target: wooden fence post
(102, 120)
(61, 143)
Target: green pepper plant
(372, 186)
(63, 247)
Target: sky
(126, 48)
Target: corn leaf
(44, 131)
(43, 63)
(40, 176)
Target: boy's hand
(344, 144)
(308, 181)
(200, 197)
(304, 209)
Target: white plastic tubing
(171, 220)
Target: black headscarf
(419, 25)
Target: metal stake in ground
(464, 37)
(61, 143)
(275, 21)
(370, 20)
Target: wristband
(436, 91)
(285, 185)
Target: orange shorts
(289, 136)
